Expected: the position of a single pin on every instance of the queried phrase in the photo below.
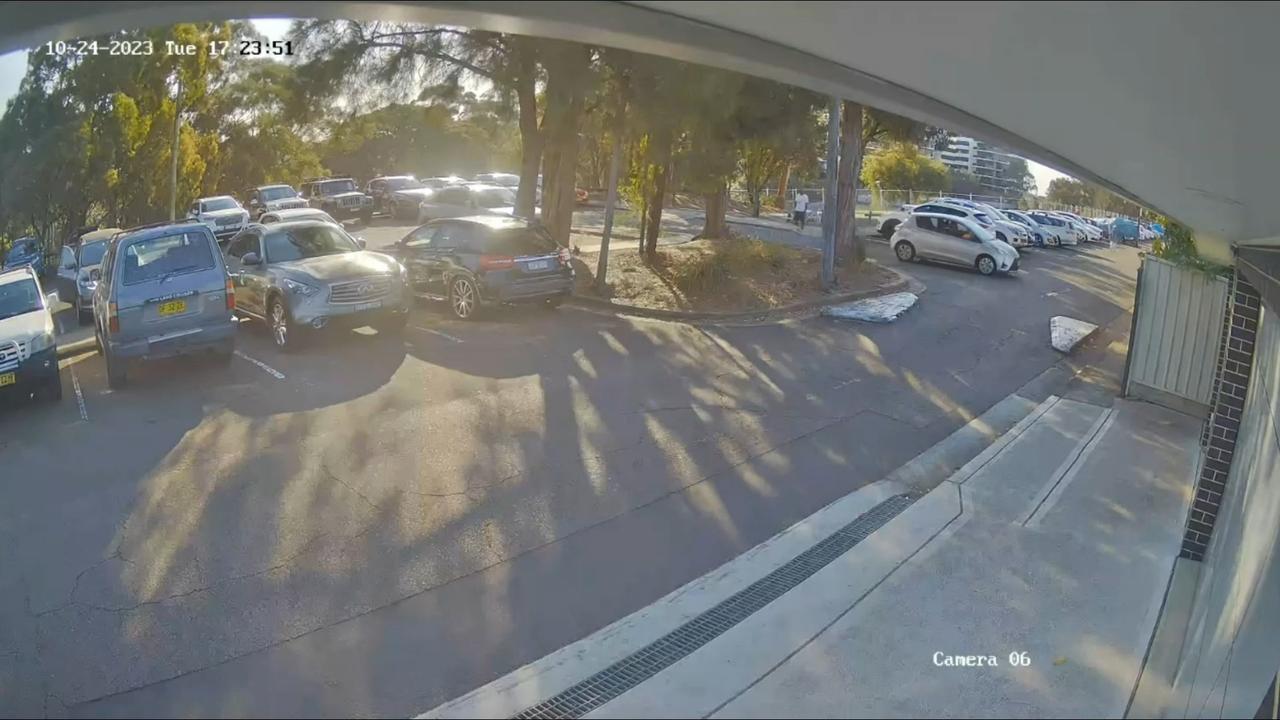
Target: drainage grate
(668, 649)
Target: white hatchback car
(955, 240)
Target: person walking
(801, 207)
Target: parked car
(339, 197)
(77, 266)
(266, 198)
(308, 275)
(292, 214)
(891, 220)
(1005, 230)
(1092, 233)
(382, 188)
(1074, 225)
(954, 208)
(1062, 233)
(509, 180)
(1039, 235)
(406, 204)
(466, 200)
(26, 251)
(484, 260)
(952, 239)
(162, 291)
(222, 213)
(28, 347)
(435, 183)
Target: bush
(710, 271)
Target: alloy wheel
(279, 324)
(463, 298)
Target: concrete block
(1065, 333)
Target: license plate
(8, 379)
(173, 307)
(366, 306)
(538, 265)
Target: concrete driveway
(373, 526)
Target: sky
(14, 65)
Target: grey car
(162, 291)
(308, 275)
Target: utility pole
(173, 159)
(829, 203)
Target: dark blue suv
(25, 252)
(485, 260)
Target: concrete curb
(903, 283)
(77, 347)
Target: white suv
(28, 348)
(223, 215)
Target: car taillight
(496, 262)
(113, 318)
(231, 295)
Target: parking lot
(374, 525)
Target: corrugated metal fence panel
(1175, 343)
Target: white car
(1004, 230)
(1039, 235)
(1092, 233)
(267, 198)
(291, 214)
(508, 180)
(28, 348)
(952, 239)
(467, 200)
(891, 220)
(1062, 232)
(221, 213)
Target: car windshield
(520, 241)
(277, 193)
(403, 183)
(18, 298)
(495, 197)
(91, 254)
(334, 187)
(165, 256)
(23, 248)
(219, 204)
(307, 241)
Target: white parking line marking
(75, 383)
(444, 335)
(267, 368)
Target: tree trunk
(610, 203)
(716, 204)
(525, 57)
(782, 185)
(850, 250)
(566, 68)
(654, 224)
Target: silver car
(161, 291)
(308, 275)
(293, 214)
(954, 240)
(467, 201)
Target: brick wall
(1231, 384)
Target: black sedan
(472, 262)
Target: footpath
(1026, 583)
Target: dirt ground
(731, 275)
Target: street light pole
(830, 204)
(173, 159)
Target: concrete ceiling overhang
(1167, 103)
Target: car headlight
(41, 342)
(299, 288)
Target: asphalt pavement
(376, 525)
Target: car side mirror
(95, 274)
(362, 243)
(251, 258)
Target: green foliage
(1178, 246)
(1067, 191)
(901, 166)
(734, 258)
(405, 139)
(1024, 183)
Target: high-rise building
(984, 161)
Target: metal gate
(1177, 331)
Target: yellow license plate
(173, 307)
(8, 379)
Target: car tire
(888, 228)
(53, 392)
(905, 251)
(280, 322)
(986, 264)
(464, 298)
(117, 372)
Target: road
(374, 526)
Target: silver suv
(162, 291)
(308, 274)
